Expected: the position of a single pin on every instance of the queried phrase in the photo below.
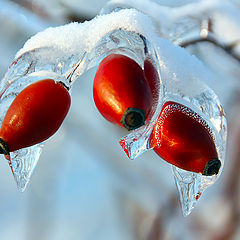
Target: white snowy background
(84, 187)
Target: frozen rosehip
(182, 138)
(121, 92)
(35, 114)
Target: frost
(64, 53)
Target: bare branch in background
(207, 35)
(228, 48)
(166, 211)
(34, 8)
(70, 15)
(73, 16)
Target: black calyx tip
(212, 167)
(133, 118)
(63, 84)
(4, 149)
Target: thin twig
(157, 230)
(34, 8)
(69, 77)
(228, 48)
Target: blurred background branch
(207, 35)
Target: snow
(75, 36)
(177, 65)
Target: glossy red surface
(152, 77)
(35, 114)
(182, 138)
(120, 84)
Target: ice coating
(64, 53)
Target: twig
(166, 211)
(228, 48)
(70, 75)
(33, 7)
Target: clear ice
(64, 53)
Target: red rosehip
(121, 92)
(35, 114)
(182, 138)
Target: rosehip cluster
(124, 94)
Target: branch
(157, 230)
(227, 48)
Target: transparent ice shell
(174, 83)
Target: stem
(228, 48)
